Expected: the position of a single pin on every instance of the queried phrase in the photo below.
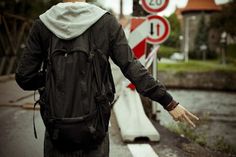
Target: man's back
(68, 21)
(109, 37)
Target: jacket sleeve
(132, 69)
(28, 75)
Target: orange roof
(200, 5)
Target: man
(69, 20)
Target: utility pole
(186, 36)
(137, 9)
(121, 9)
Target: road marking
(142, 150)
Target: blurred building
(195, 18)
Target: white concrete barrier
(132, 119)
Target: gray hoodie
(69, 20)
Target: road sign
(154, 6)
(137, 36)
(158, 29)
(137, 39)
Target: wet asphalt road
(16, 133)
(17, 137)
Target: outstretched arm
(145, 84)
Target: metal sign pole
(154, 68)
(158, 32)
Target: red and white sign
(137, 36)
(154, 6)
(158, 29)
(137, 39)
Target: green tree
(226, 19)
(201, 37)
(173, 40)
(26, 8)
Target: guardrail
(13, 32)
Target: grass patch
(185, 131)
(219, 145)
(231, 51)
(166, 51)
(197, 66)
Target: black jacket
(110, 38)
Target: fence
(13, 32)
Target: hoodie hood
(69, 20)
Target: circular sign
(158, 29)
(154, 6)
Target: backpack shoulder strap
(45, 62)
(96, 54)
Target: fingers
(183, 115)
(188, 120)
(185, 118)
(192, 115)
(176, 119)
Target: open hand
(179, 113)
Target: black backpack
(74, 104)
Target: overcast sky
(128, 5)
